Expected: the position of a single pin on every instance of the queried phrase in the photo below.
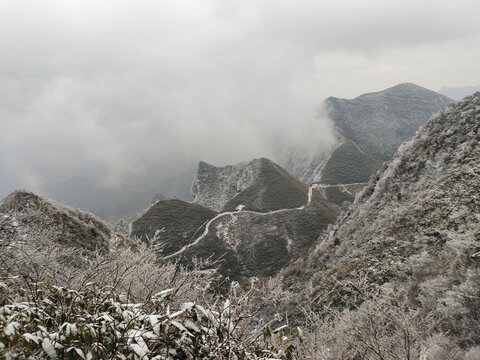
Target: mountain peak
(407, 85)
(248, 183)
(379, 122)
(406, 89)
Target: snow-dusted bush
(98, 323)
(57, 303)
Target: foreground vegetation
(60, 302)
(98, 323)
(128, 306)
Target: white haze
(132, 92)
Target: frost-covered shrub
(58, 302)
(98, 323)
(132, 271)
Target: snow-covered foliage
(384, 323)
(98, 323)
(59, 302)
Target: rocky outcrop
(214, 186)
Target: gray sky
(120, 90)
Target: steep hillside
(348, 164)
(259, 185)
(426, 196)
(377, 123)
(247, 243)
(414, 229)
(173, 223)
(26, 217)
(307, 165)
(260, 244)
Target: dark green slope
(175, 222)
(348, 164)
(275, 189)
(337, 196)
(261, 245)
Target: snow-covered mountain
(377, 123)
(266, 218)
(245, 242)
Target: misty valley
(365, 249)
(239, 180)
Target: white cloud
(119, 89)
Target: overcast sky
(114, 89)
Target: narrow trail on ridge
(234, 213)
